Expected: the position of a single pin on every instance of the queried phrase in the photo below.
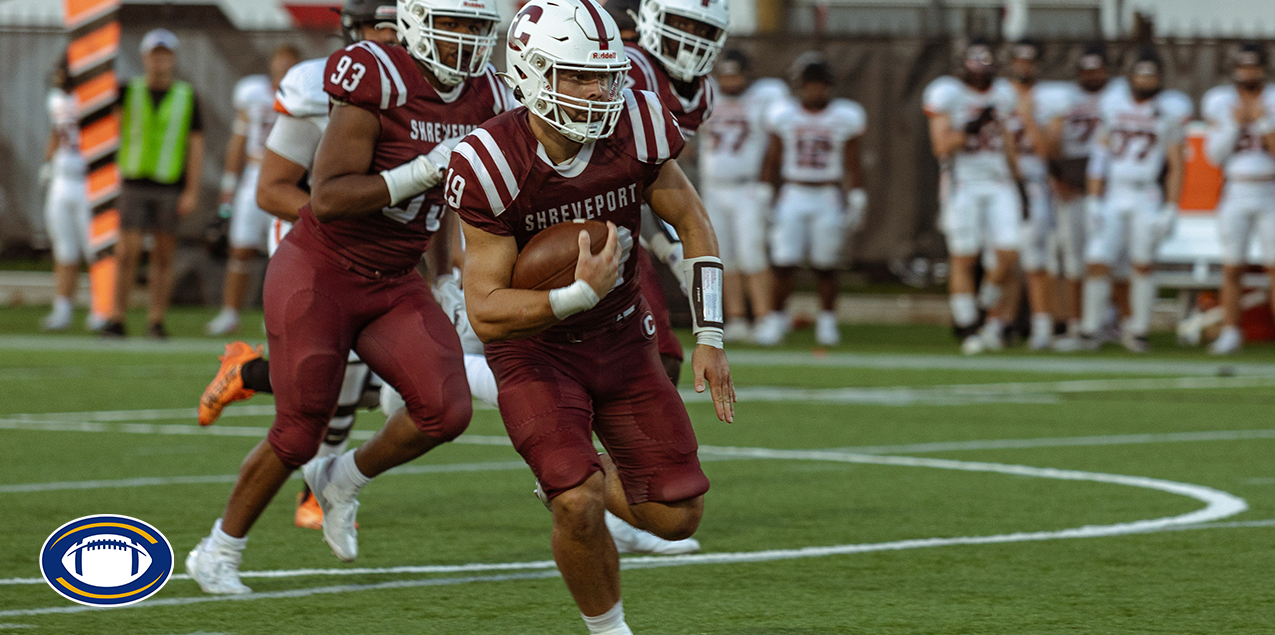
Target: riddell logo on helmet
(604, 56)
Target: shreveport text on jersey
(585, 209)
(435, 132)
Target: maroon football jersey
(501, 181)
(415, 117)
(647, 74)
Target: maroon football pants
(554, 395)
(318, 308)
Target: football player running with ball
(581, 359)
(345, 277)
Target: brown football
(548, 261)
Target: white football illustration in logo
(106, 560)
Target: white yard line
(1218, 505)
(1010, 363)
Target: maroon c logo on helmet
(519, 38)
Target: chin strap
(705, 277)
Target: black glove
(987, 116)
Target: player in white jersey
(1072, 113)
(66, 204)
(984, 210)
(1241, 136)
(1135, 179)
(1027, 125)
(733, 146)
(813, 162)
(249, 224)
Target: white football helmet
(549, 38)
(422, 38)
(685, 55)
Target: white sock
(225, 540)
(828, 316)
(993, 325)
(1097, 293)
(62, 305)
(1229, 330)
(1141, 301)
(346, 474)
(482, 382)
(1073, 327)
(1042, 325)
(989, 295)
(609, 623)
(964, 309)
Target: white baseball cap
(156, 38)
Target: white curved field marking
(1218, 505)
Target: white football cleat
(56, 321)
(225, 323)
(216, 569)
(826, 331)
(1135, 343)
(340, 508)
(973, 345)
(1228, 342)
(772, 329)
(630, 539)
(991, 335)
(737, 331)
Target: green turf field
(890, 486)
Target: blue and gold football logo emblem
(106, 560)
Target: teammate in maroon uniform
(581, 360)
(678, 42)
(344, 278)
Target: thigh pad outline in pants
(641, 421)
(717, 201)
(789, 237)
(827, 230)
(310, 332)
(1034, 252)
(413, 347)
(962, 219)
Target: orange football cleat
(309, 514)
(227, 387)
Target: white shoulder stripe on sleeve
(658, 127)
(387, 66)
(464, 149)
(635, 121)
(643, 65)
(498, 157)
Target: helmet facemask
(579, 120)
(685, 55)
(424, 40)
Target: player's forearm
(673, 199)
(348, 196)
(439, 255)
(1173, 177)
(278, 189)
(194, 161)
(508, 314)
(1095, 187)
(236, 152)
(52, 146)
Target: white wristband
(572, 299)
(229, 182)
(704, 276)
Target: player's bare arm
(236, 156)
(438, 257)
(1051, 139)
(1175, 161)
(194, 169)
(673, 199)
(343, 187)
(944, 141)
(498, 312)
(853, 176)
(772, 161)
(278, 188)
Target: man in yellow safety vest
(161, 155)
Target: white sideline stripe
(91, 344)
(44, 373)
(1058, 442)
(1010, 363)
(1218, 505)
(631, 562)
(195, 430)
(446, 468)
(8, 626)
(295, 593)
